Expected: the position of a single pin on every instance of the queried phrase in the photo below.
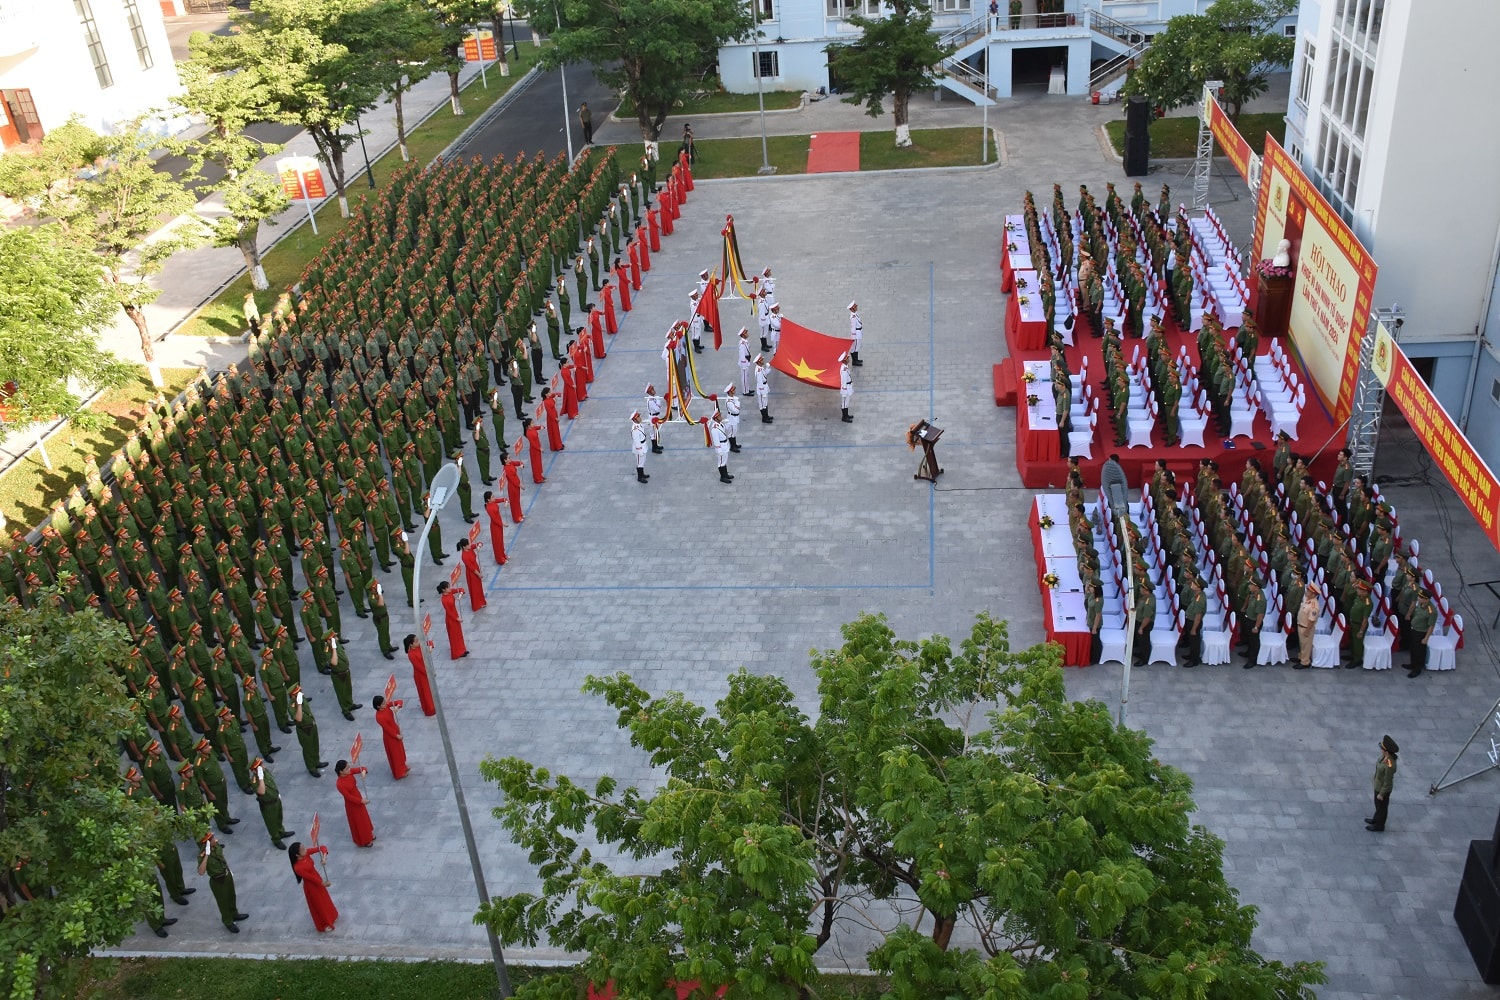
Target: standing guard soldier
(268, 798)
(211, 862)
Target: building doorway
(20, 113)
(1031, 68)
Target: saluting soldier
(343, 681)
(255, 712)
(382, 616)
(215, 787)
(268, 798)
(307, 732)
(211, 862)
(846, 387)
(231, 743)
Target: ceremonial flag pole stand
(1493, 753)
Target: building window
(950, 6)
(1290, 31)
(765, 64)
(1304, 81)
(96, 45)
(844, 8)
(138, 34)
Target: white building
(105, 61)
(1389, 115)
(1065, 46)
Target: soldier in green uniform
(175, 738)
(211, 862)
(274, 679)
(307, 732)
(1145, 618)
(1357, 618)
(268, 797)
(215, 787)
(231, 743)
(482, 452)
(343, 680)
(158, 775)
(189, 791)
(408, 562)
(382, 617)
(1251, 621)
(1194, 608)
(465, 486)
(1384, 782)
(255, 713)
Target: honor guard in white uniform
(856, 331)
(744, 359)
(775, 327)
(638, 446)
(768, 285)
(719, 438)
(846, 386)
(656, 408)
(695, 321)
(703, 290)
(763, 389)
(763, 317)
(731, 405)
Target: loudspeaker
(1477, 910)
(1137, 137)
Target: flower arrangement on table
(1032, 399)
(1028, 377)
(1021, 283)
(1025, 299)
(1051, 580)
(1011, 247)
(1046, 522)
(1268, 269)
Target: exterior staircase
(1126, 40)
(960, 77)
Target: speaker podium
(1477, 910)
(1137, 137)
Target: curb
(457, 146)
(1002, 159)
(801, 107)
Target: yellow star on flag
(804, 371)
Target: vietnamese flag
(809, 356)
(708, 308)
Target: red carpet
(1313, 432)
(833, 151)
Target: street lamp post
(760, 95)
(444, 486)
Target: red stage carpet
(1315, 430)
(833, 151)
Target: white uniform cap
(744, 331)
(776, 308)
(728, 389)
(766, 272)
(635, 414)
(853, 306)
(760, 359)
(703, 273)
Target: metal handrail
(1110, 70)
(970, 77)
(965, 33)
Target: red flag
(312, 833)
(809, 356)
(356, 748)
(390, 687)
(708, 308)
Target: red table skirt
(1024, 336)
(1037, 445)
(1076, 645)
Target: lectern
(926, 434)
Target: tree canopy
(896, 54)
(79, 855)
(1234, 41)
(1003, 840)
(53, 303)
(228, 103)
(645, 48)
(106, 196)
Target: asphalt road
(535, 120)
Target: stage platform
(1316, 430)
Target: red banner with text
(1334, 276)
(1472, 479)
(1229, 139)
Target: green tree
(410, 46)
(79, 856)
(106, 195)
(1235, 41)
(226, 101)
(897, 54)
(54, 301)
(455, 19)
(645, 49)
(1042, 825)
(319, 62)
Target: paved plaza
(681, 581)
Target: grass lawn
(938, 147)
(224, 316)
(1177, 138)
(29, 490)
(247, 979)
(720, 103)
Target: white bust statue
(1283, 256)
